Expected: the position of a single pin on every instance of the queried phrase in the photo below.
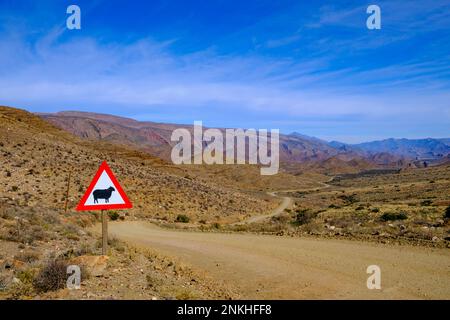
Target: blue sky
(306, 66)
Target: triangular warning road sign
(104, 192)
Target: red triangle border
(104, 167)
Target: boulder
(12, 264)
(95, 265)
(18, 265)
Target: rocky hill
(37, 158)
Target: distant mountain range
(297, 151)
(409, 148)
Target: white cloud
(145, 75)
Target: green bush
(216, 225)
(447, 213)
(183, 218)
(113, 215)
(348, 199)
(26, 276)
(394, 216)
(304, 216)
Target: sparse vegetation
(304, 216)
(182, 218)
(27, 256)
(348, 199)
(447, 213)
(113, 215)
(388, 216)
(34, 229)
(3, 282)
(426, 203)
(216, 225)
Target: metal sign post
(104, 233)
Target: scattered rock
(16, 281)
(95, 265)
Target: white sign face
(104, 192)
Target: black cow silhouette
(103, 194)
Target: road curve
(270, 267)
(286, 203)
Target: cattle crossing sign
(104, 192)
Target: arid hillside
(37, 159)
(410, 205)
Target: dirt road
(286, 203)
(263, 267)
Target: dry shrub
(304, 216)
(84, 249)
(312, 227)
(53, 276)
(447, 213)
(3, 282)
(281, 218)
(38, 234)
(183, 218)
(115, 243)
(19, 291)
(23, 289)
(27, 256)
(393, 216)
(153, 281)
